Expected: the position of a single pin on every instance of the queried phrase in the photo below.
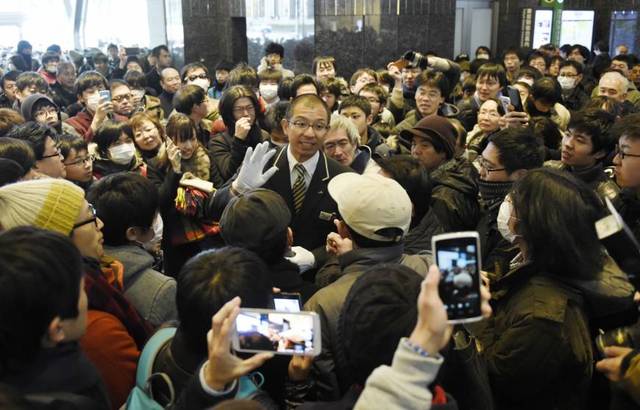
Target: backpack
(141, 396)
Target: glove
(251, 175)
(303, 258)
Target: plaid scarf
(110, 298)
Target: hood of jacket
(134, 259)
(458, 174)
(26, 108)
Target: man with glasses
(300, 172)
(574, 96)
(77, 161)
(122, 100)
(508, 156)
(43, 141)
(41, 109)
(627, 169)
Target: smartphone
(105, 95)
(284, 333)
(506, 102)
(132, 51)
(458, 258)
(287, 302)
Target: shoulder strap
(149, 353)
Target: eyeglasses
(46, 111)
(94, 219)
(120, 98)
(194, 77)
(303, 125)
(622, 154)
(485, 165)
(241, 110)
(57, 154)
(79, 161)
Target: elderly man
(170, 83)
(342, 144)
(616, 86)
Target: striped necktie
(299, 187)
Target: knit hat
(437, 130)
(379, 309)
(52, 204)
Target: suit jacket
(314, 221)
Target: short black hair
(243, 74)
(627, 126)
(108, 133)
(211, 279)
(115, 83)
(89, 79)
(303, 79)
(135, 79)
(19, 151)
(483, 48)
(625, 58)
(123, 200)
(538, 54)
(596, 124)
(584, 52)
(285, 93)
(274, 48)
(529, 71)
(518, 148)
(224, 65)
(356, 101)
(513, 50)
(188, 96)
(307, 99)
(435, 79)
(35, 134)
(39, 280)
(157, 49)
(32, 79)
(10, 76)
(276, 114)
(547, 90)
(10, 171)
(378, 90)
(414, 178)
(547, 131)
(67, 142)
(578, 66)
(100, 58)
(492, 70)
(48, 56)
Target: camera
(415, 59)
(616, 337)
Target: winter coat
(454, 196)
(227, 152)
(538, 343)
(150, 292)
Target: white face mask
(202, 83)
(504, 215)
(51, 68)
(482, 56)
(567, 83)
(92, 101)
(158, 226)
(122, 154)
(269, 91)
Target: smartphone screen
(279, 332)
(105, 95)
(459, 289)
(286, 302)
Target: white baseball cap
(370, 203)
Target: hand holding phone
(458, 258)
(222, 366)
(285, 333)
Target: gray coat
(149, 291)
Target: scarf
(492, 193)
(199, 164)
(110, 298)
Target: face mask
(567, 83)
(269, 91)
(202, 83)
(504, 215)
(52, 68)
(92, 102)
(122, 154)
(158, 226)
(482, 56)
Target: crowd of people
(142, 205)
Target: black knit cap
(379, 310)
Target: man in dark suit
(301, 178)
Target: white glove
(303, 258)
(251, 175)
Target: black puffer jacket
(538, 344)
(454, 197)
